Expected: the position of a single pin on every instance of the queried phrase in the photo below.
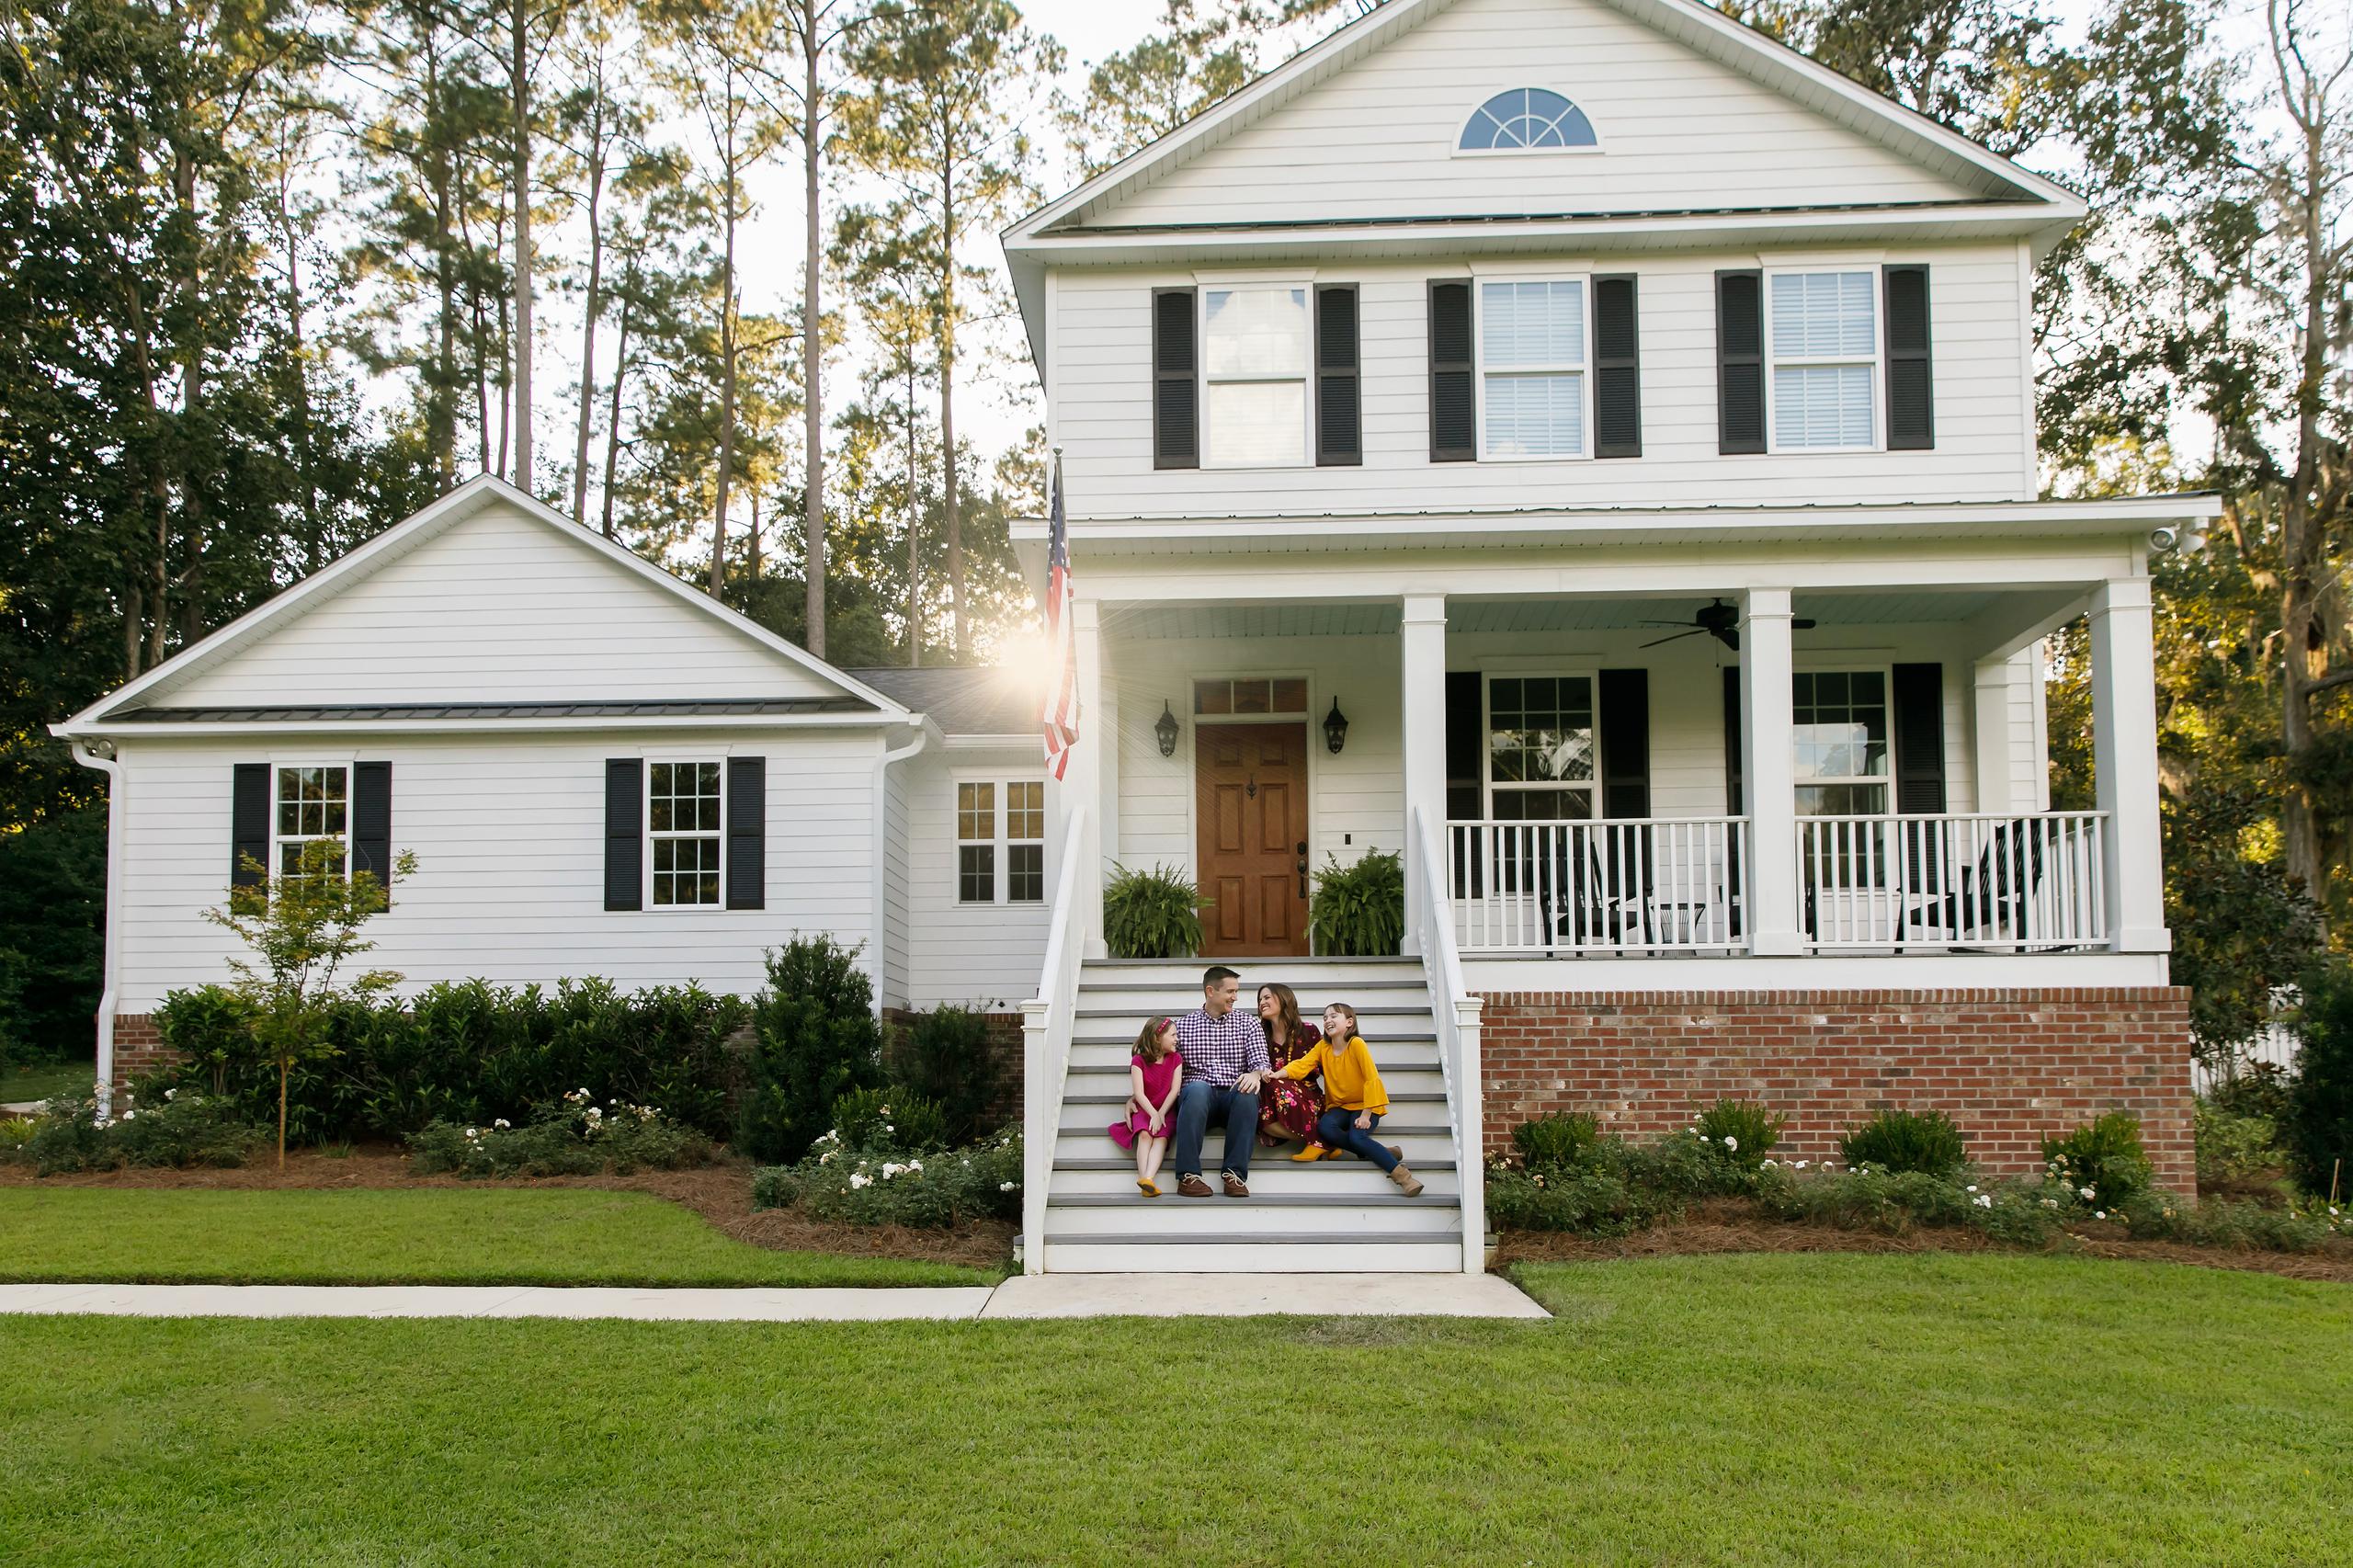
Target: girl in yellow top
(1353, 1096)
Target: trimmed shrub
(1359, 911)
(2318, 1128)
(1557, 1140)
(576, 1136)
(841, 1185)
(1745, 1130)
(1151, 915)
(2104, 1155)
(890, 1119)
(944, 1056)
(2233, 1148)
(177, 1131)
(1582, 1200)
(816, 1040)
(1924, 1141)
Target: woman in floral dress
(1287, 1107)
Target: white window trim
(350, 771)
(645, 805)
(1462, 125)
(1885, 781)
(1306, 377)
(1592, 678)
(1584, 372)
(1000, 839)
(1874, 362)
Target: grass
(1768, 1409)
(19, 1086)
(405, 1236)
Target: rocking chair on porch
(1996, 894)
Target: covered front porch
(1851, 775)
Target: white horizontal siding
(498, 607)
(978, 955)
(1678, 132)
(509, 839)
(894, 887)
(1102, 391)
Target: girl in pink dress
(1154, 1074)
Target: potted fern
(1359, 911)
(1151, 915)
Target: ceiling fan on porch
(1719, 621)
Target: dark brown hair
(1284, 1027)
(1351, 1012)
(1148, 1042)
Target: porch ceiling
(1163, 622)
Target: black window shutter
(1740, 361)
(1339, 431)
(1466, 750)
(1616, 368)
(1919, 736)
(372, 819)
(1733, 803)
(747, 832)
(1176, 388)
(1911, 390)
(1454, 410)
(624, 833)
(248, 822)
(1624, 725)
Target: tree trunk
(914, 528)
(305, 472)
(192, 532)
(520, 29)
(593, 305)
(947, 415)
(613, 417)
(811, 354)
(133, 617)
(441, 415)
(283, 1068)
(726, 367)
(2304, 535)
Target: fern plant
(1151, 915)
(1359, 911)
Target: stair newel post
(1047, 1023)
(1470, 1158)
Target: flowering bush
(842, 1183)
(2234, 1147)
(1581, 1199)
(2104, 1155)
(576, 1136)
(1556, 1139)
(891, 1119)
(178, 1129)
(1745, 1130)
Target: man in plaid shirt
(1225, 1060)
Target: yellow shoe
(1312, 1152)
(1149, 1190)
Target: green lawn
(405, 1236)
(1881, 1409)
(20, 1084)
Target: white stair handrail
(1455, 1015)
(1047, 1022)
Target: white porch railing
(1456, 1014)
(1986, 881)
(1046, 1028)
(1658, 884)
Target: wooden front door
(1251, 799)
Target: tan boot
(1408, 1180)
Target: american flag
(1060, 716)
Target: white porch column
(2124, 759)
(1422, 701)
(1084, 780)
(1990, 721)
(1769, 773)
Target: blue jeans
(1336, 1128)
(1195, 1104)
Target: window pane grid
(684, 819)
(1839, 734)
(1255, 364)
(312, 802)
(1825, 347)
(1531, 360)
(1012, 840)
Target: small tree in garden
(816, 1038)
(303, 926)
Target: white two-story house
(1578, 446)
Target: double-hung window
(311, 802)
(1838, 720)
(1001, 853)
(1533, 388)
(685, 812)
(1822, 350)
(1255, 373)
(1540, 748)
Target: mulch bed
(720, 1193)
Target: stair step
(1086, 1095)
(1423, 1145)
(1339, 1218)
(1331, 1180)
(1258, 1166)
(1267, 1255)
(1134, 1200)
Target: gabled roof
(962, 699)
(140, 701)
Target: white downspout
(89, 754)
(881, 921)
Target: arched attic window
(1527, 119)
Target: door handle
(1302, 867)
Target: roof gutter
(106, 724)
(100, 756)
(880, 918)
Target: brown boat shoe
(1235, 1186)
(1192, 1187)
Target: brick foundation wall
(1005, 1045)
(2010, 1067)
(139, 1047)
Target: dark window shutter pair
(1616, 368)
(1734, 760)
(1176, 387)
(1740, 361)
(1454, 407)
(1918, 732)
(1339, 403)
(1911, 399)
(744, 853)
(1623, 726)
(370, 831)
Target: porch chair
(1998, 891)
(1575, 894)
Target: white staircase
(1339, 1214)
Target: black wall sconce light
(1336, 727)
(1165, 730)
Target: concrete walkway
(1044, 1296)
